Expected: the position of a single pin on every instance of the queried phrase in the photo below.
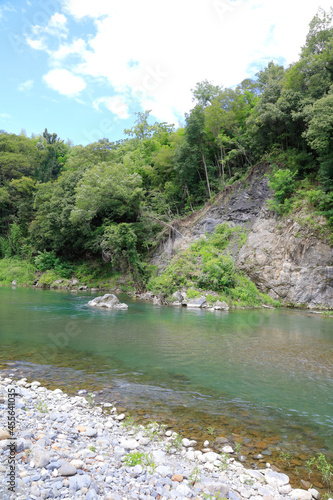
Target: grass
(41, 406)
(14, 268)
(139, 458)
(94, 274)
(208, 266)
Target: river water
(262, 377)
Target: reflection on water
(252, 373)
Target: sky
(83, 68)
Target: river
(263, 377)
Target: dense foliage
(109, 200)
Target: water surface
(261, 375)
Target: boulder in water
(109, 301)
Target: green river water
(263, 377)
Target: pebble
(68, 449)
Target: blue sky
(83, 68)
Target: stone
(108, 301)
(285, 490)
(183, 489)
(227, 449)
(159, 457)
(120, 417)
(221, 306)
(178, 296)
(315, 493)
(186, 442)
(67, 469)
(157, 301)
(41, 457)
(300, 494)
(163, 470)
(177, 477)
(197, 302)
(90, 432)
(77, 463)
(276, 479)
(129, 444)
(5, 435)
(306, 484)
(211, 456)
(13, 283)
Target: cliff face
(285, 259)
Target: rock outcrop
(285, 259)
(288, 262)
(108, 301)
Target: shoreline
(66, 447)
(65, 286)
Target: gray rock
(163, 470)
(158, 301)
(108, 301)
(67, 469)
(300, 494)
(90, 432)
(41, 457)
(91, 495)
(314, 493)
(221, 306)
(178, 296)
(129, 444)
(276, 479)
(197, 302)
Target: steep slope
(284, 258)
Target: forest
(108, 201)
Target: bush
(218, 274)
(16, 269)
(45, 260)
(283, 184)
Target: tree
(195, 136)
(107, 191)
(319, 136)
(52, 156)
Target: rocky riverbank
(67, 447)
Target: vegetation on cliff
(109, 201)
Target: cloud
(55, 27)
(64, 82)
(36, 44)
(5, 116)
(77, 47)
(115, 104)
(151, 54)
(25, 86)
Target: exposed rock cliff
(285, 259)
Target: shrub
(45, 260)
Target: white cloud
(115, 104)
(36, 44)
(65, 50)
(64, 82)
(181, 43)
(151, 53)
(55, 27)
(95, 9)
(5, 116)
(25, 86)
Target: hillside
(283, 255)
